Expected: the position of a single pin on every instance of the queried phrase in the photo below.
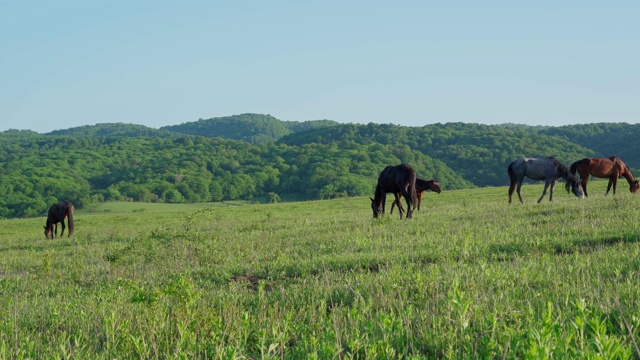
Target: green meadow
(470, 276)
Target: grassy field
(469, 277)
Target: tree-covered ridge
(479, 153)
(11, 133)
(606, 139)
(37, 171)
(315, 160)
(113, 129)
(297, 126)
(252, 128)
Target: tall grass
(469, 277)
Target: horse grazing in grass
(398, 180)
(421, 186)
(57, 213)
(611, 167)
(547, 169)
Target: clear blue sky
(155, 63)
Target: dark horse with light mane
(421, 186)
(399, 179)
(611, 167)
(547, 169)
(57, 213)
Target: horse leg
(407, 197)
(612, 181)
(512, 187)
(397, 201)
(544, 192)
(62, 224)
(608, 186)
(400, 207)
(518, 188)
(383, 201)
(584, 182)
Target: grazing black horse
(421, 186)
(399, 179)
(57, 213)
(547, 169)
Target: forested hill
(480, 153)
(200, 162)
(252, 128)
(605, 139)
(114, 129)
(37, 171)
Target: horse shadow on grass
(586, 246)
(508, 252)
(41, 247)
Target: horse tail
(512, 178)
(70, 210)
(414, 193)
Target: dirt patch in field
(252, 282)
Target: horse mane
(627, 174)
(562, 170)
(574, 167)
(566, 173)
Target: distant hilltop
(252, 128)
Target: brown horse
(399, 179)
(421, 186)
(611, 167)
(57, 213)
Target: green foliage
(252, 128)
(605, 139)
(113, 129)
(480, 154)
(310, 160)
(38, 171)
(273, 198)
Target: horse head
(634, 187)
(575, 185)
(377, 208)
(48, 232)
(435, 187)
